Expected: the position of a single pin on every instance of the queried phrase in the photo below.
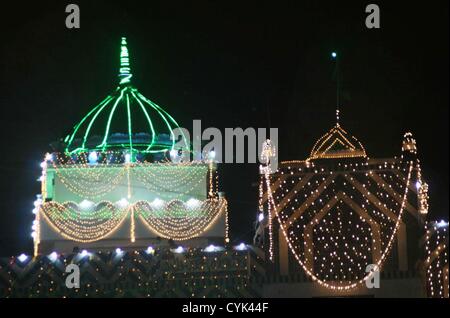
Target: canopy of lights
(338, 221)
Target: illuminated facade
(339, 220)
(119, 179)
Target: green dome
(124, 120)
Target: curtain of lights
(332, 235)
(175, 219)
(167, 182)
(92, 181)
(180, 221)
(84, 225)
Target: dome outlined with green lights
(125, 121)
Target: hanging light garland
(175, 219)
(335, 262)
(310, 271)
(268, 152)
(180, 221)
(93, 180)
(88, 180)
(168, 180)
(76, 224)
(422, 189)
(436, 262)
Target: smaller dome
(337, 143)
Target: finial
(336, 73)
(125, 70)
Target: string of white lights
(308, 269)
(175, 219)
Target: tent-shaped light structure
(337, 143)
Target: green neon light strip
(90, 124)
(125, 70)
(86, 133)
(103, 144)
(155, 106)
(106, 100)
(129, 124)
(149, 121)
(162, 116)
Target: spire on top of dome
(124, 121)
(337, 143)
(125, 70)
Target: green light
(124, 96)
(125, 70)
(157, 107)
(91, 122)
(103, 144)
(103, 102)
(162, 116)
(130, 134)
(149, 122)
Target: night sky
(231, 65)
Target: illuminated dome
(337, 143)
(124, 120)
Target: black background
(230, 64)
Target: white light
(192, 203)
(333, 54)
(93, 157)
(86, 204)
(122, 203)
(442, 223)
(150, 250)
(119, 251)
(33, 234)
(127, 158)
(37, 203)
(212, 154)
(49, 157)
(34, 211)
(22, 258)
(179, 250)
(261, 217)
(33, 227)
(210, 248)
(53, 256)
(84, 253)
(418, 185)
(241, 247)
(43, 164)
(157, 203)
(41, 178)
(173, 153)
